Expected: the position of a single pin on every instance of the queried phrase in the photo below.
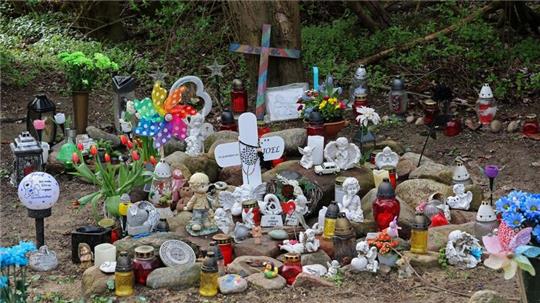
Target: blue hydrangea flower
(513, 219)
(3, 282)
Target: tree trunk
(520, 17)
(247, 18)
(105, 20)
(365, 18)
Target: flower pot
(388, 259)
(331, 129)
(80, 111)
(529, 286)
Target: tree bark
(365, 18)
(247, 18)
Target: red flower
(129, 144)
(80, 146)
(326, 98)
(124, 139)
(107, 157)
(93, 150)
(75, 158)
(341, 105)
(315, 94)
(134, 155)
(153, 160)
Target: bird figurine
(270, 270)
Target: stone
(438, 236)
(176, 277)
(414, 191)
(513, 126)
(495, 126)
(478, 196)
(428, 260)
(318, 257)
(94, 281)
(53, 165)
(434, 171)
(174, 145)
(404, 168)
(462, 216)
(248, 265)
(247, 247)
(231, 175)
(98, 134)
(419, 121)
(231, 284)
(314, 269)
(487, 296)
(306, 280)
(155, 240)
(221, 135)
(138, 194)
(259, 280)
(410, 119)
(394, 145)
(365, 227)
(293, 137)
(414, 157)
(177, 224)
(196, 164)
(278, 234)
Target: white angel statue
(233, 200)
(462, 199)
(343, 153)
(350, 204)
(307, 156)
(386, 158)
(199, 131)
(224, 220)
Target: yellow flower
(337, 106)
(332, 100)
(322, 105)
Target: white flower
(367, 114)
(130, 107)
(60, 118)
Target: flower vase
(529, 286)
(388, 259)
(331, 129)
(80, 111)
(364, 136)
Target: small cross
(265, 51)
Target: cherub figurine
(386, 158)
(270, 270)
(198, 132)
(307, 156)
(463, 250)
(307, 238)
(350, 204)
(333, 269)
(461, 200)
(224, 220)
(233, 200)
(85, 255)
(366, 259)
(256, 233)
(343, 153)
(201, 223)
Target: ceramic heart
(200, 91)
(288, 207)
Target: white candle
(105, 252)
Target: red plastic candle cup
(452, 128)
(225, 245)
(530, 127)
(291, 268)
(144, 263)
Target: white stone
(314, 269)
(231, 284)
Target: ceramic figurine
(463, 250)
(393, 228)
(241, 232)
(270, 270)
(307, 156)
(193, 146)
(256, 233)
(86, 257)
(350, 205)
(366, 259)
(333, 269)
(292, 246)
(307, 238)
(301, 209)
(224, 220)
(344, 154)
(142, 218)
(198, 131)
(386, 158)
(248, 218)
(178, 181)
(461, 200)
(201, 223)
(318, 226)
(233, 200)
(271, 211)
(185, 194)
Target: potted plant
(516, 243)
(81, 73)
(385, 245)
(366, 117)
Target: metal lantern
(28, 156)
(41, 108)
(344, 240)
(398, 97)
(124, 86)
(359, 82)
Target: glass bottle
(315, 125)
(330, 220)
(256, 211)
(453, 126)
(144, 263)
(225, 245)
(430, 111)
(386, 206)
(238, 97)
(209, 276)
(338, 189)
(530, 127)
(291, 268)
(219, 257)
(419, 234)
(124, 279)
(344, 241)
(66, 151)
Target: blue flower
(513, 219)
(3, 282)
(476, 252)
(532, 208)
(536, 233)
(504, 204)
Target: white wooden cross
(245, 151)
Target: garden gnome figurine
(200, 222)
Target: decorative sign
(317, 142)
(246, 151)
(265, 51)
(281, 101)
(38, 191)
(271, 209)
(271, 221)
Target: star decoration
(159, 76)
(215, 68)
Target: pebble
(231, 284)
(487, 296)
(258, 279)
(305, 280)
(495, 126)
(513, 126)
(278, 234)
(314, 269)
(419, 121)
(410, 119)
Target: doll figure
(201, 223)
(85, 255)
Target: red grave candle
(530, 127)
(291, 268)
(238, 97)
(386, 206)
(254, 206)
(144, 263)
(453, 127)
(224, 243)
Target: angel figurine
(343, 153)
(194, 147)
(366, 259)
(350, 204)
(386, 158)
(292, 246)
(85, 255)
(307, 156)
(198, 131)
(463, 250)
(462, 199)
(333, 269)
(248, 218)
(224, 220)
(307, 238)
(233, 200)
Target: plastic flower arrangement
(82, 71)
(511, 247)
(13, 262)
(367, 115)
(326, 101)
(383, 242)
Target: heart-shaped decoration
(288, 207)
(200, 92)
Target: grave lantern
(27, 154)
(291, 268)
(460, 174)
(398, 97)
(208, 286)
(227, 121)
(531, 126)
(419, 234)
(315, 125)
(41, 108)
(359, 89)
(124, 86)
(225, 245)
(486, 107)
(239, 100)
(386, 207)
(453, 126)
(344, 240)
(330, 219)
(486, 220)
(431, 109)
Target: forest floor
(511, 150)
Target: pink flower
(341, 105)
(39, 124)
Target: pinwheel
(162, 117)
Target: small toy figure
(350, 205)
(366, 259)
(393, 228)
(333, 269)
(307, 157)
(463, 250)
(270, 270)
(185, 194)
(85, 255)
(201, 223)
(346, 155)
(461, 200)
(404, 268)
(256, 233)
(308, 240)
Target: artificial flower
(93, 150)
(513, 219)
(60, 118)
(124, 139)
(39, 124)
(503, 204)
(134, 155)
(322, 105)
(367, 114)
(491, 171)
(3, 282)
(153, 160)
(75, 158)
(80, 146)
(107, 157)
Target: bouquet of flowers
(517, 235)
(326, 101)
(13, 262)
(384, 242)
(82, 72)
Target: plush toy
(185, 194)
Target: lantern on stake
(27, 154)
(41, 108)
(398, 97)
(124, 86)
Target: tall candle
(315, 78)
(105, 252)
(379, 175)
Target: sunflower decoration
(163, 117)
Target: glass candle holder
(430, 111)
(530, 127)
(392, 176)
(330, 221)
(453, 127)
(144, 263)
(209, 276)
(256, 211)
(338, 189)
(104, 252)
(124, 278)
(291, 268)
(419, 235)
(239, 99)
(386, 207)
(225, 245)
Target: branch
(365, 19)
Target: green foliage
(443, 262)
(82, 71)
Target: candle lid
(398, 83)
(292, 257)
(237, 84)
(332, 210)
(420, 222)
(144, 252)
(250, 204)
(222, 239)
(343, 226)
(123, 263)
(385, 189)
(209, 263)
(227, 117)
(340, 180)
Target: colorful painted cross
(265, 51)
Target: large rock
(232, 175)
(222, 135)
(318, 257)
(487, 296)
(196, 164)
(259, 280)
(177, 224)
(268, 247)
(365, 227)
(248, 265)
(414, 157)
(176, 277)
(462, 216)
(404, 168)
(94, 281)
(438, 236)
(434, 171)
(395, 146)
(155, 240)
(293, 137)
(428, 260)
(306, 280)
(174, 145)
(414, 191)
(98, 134)
(231, 284)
